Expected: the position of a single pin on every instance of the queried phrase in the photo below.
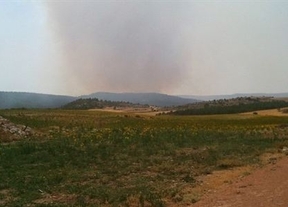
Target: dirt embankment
(265, 187)
(270, 112)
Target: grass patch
(84, 158)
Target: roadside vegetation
(94, 158)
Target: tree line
(94, 103)
(240, 108)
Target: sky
(173, 47)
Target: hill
(32, 100)
(236, 95)
(36, 100)
(230, 106)
(94, 103)
(156, 99)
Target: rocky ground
(10, 131)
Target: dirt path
(265, 187)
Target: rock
(15, 130)
(285, 150)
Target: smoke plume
(192, 47)
(120, 46)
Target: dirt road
(265, 187)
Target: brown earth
(270, 112)
(266, 186)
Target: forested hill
(94, 103)
(232, 96)
(32, 100)
(230, 106)
(155, 99)
(36, 100)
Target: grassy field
(94, 158)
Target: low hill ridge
(156, 99)
(230, 106)
(94, 103)
(37, 100)
(32, 100)
(236, 95)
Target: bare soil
(266, 186)
(270, 112)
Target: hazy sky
(175, 47)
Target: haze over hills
(156, 99)
(217, 97)
(32, 100)
(36, 100)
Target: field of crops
(93, 158)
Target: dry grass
(270, 112)
(100, 158)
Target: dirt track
(265, 187)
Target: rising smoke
(121, 46)
(195, 47)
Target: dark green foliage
(94, 103)
(233, 109)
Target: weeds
(125, 161)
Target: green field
(89, 158)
